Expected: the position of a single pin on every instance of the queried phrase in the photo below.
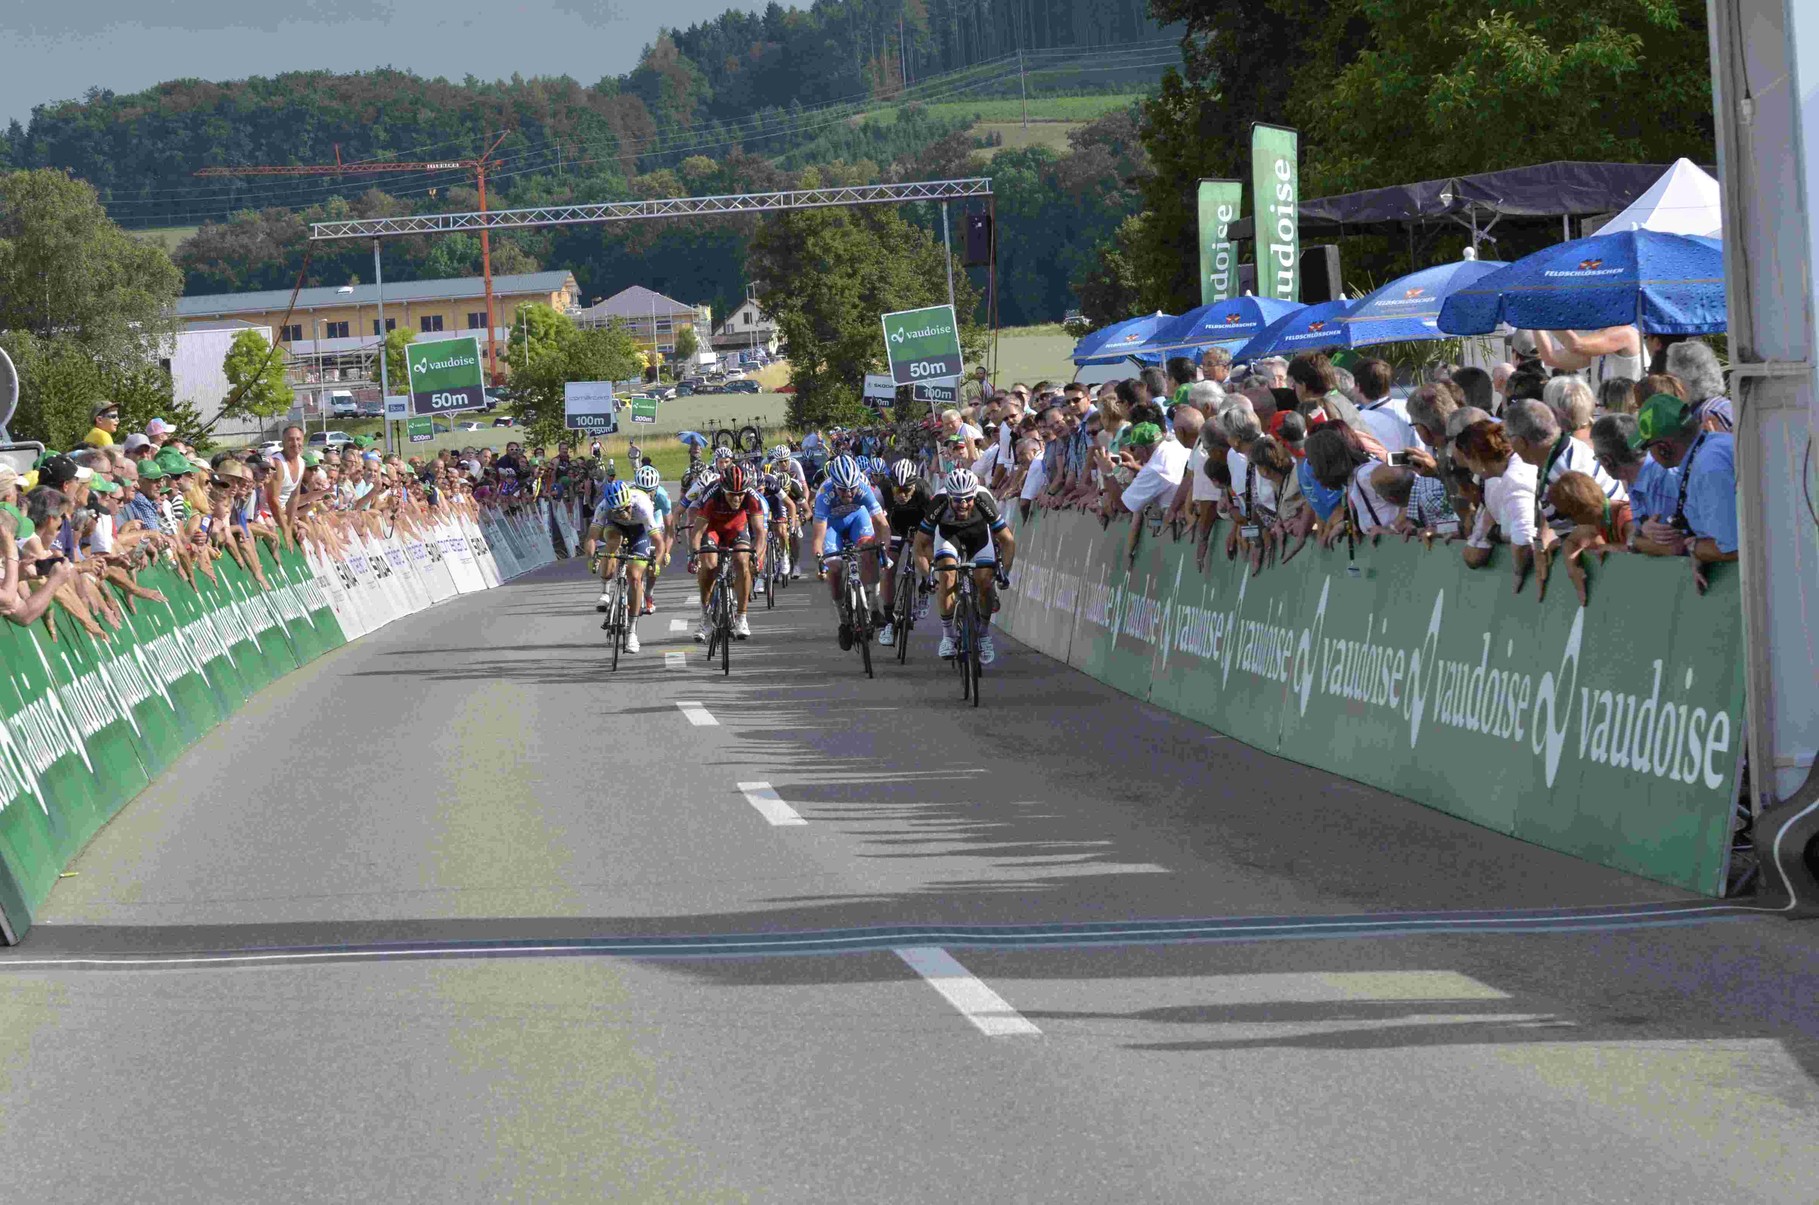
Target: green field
(169, 236)
(1015, 135)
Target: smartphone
(47, 563)
(1398, 458)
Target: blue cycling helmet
(876, 466)
(649, 478)
(616, 495)
(845, 473)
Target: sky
(54, 50)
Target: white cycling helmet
(780, 453)
(649, 478)
(845, 473)
(722, 453)
(903, 473)
(961, 484)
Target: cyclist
(782, 509)
(624, 517)
(847, 513)
(963, 524)
(650, 483)
(795, 487)
(731, 517)
(910, 498)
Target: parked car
(743, 385)
(320, 440)
(470, 425)
(737, 374)
(341, 404)
(664, 394)
(504, 420)
(374, 408)
(685, 389)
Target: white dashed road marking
(989, 1012)
(698, 715)
(770, 805)
(678, 625)
(675, 661)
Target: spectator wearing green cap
(1703, 524)
(1160, 463)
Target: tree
(68, 274)
(687, 345)
(560, 352)
(255, 376)
(828, 274)
(397, 375)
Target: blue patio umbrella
(1110, 344)
(1224, 322)
(1310, 327)
(1668, 284)
(1405, 309)
(693, 439)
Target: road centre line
(698, 715)
(770, 805)
(989, 1012)
(678, 625)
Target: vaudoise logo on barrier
(1663, 723)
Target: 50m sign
(445, 376)
(922, 345)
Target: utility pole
(1023, 88)
(385, 380)
(947, 257)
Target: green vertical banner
(1219, 202)
(1276, 210)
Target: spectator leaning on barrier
(1651, 488)
(1158, 463)
(1509, 497)
(1535, 435)
(1703, 524)
(1572, 403)
(1339, 461)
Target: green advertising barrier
(88, 723)
(1611, 732)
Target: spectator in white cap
(139, 446)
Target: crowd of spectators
(1529, 458)
(77, 529)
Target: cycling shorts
(945, 550)
(848, 529)
(726, 535)
(633, 541)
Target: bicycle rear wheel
(726, 629)
(862, 633)
(904, 617)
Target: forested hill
(764, 82)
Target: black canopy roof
(1559, 189)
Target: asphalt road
(453, 914)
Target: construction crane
(478, 166)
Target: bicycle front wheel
(963, 628)
(975, 667)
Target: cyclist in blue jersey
(847, 513)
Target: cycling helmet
(876, 466)
(617, 495)
(649, 478)
(722, 454)
(708, 483)
(772, 482)
(962, 484)
(844, 473)
(780, 453)
(732, 481)
(903, 473)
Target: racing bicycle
(618, 624)
(905, 602)
(776, 551)
(721, 606)
(855, 608)
(971, 614)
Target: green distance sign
(446, 376)
(922, 345)
(644, 409)
(422, 430)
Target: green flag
(1219, 201)
(1276, 209)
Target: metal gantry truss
(668, 207)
